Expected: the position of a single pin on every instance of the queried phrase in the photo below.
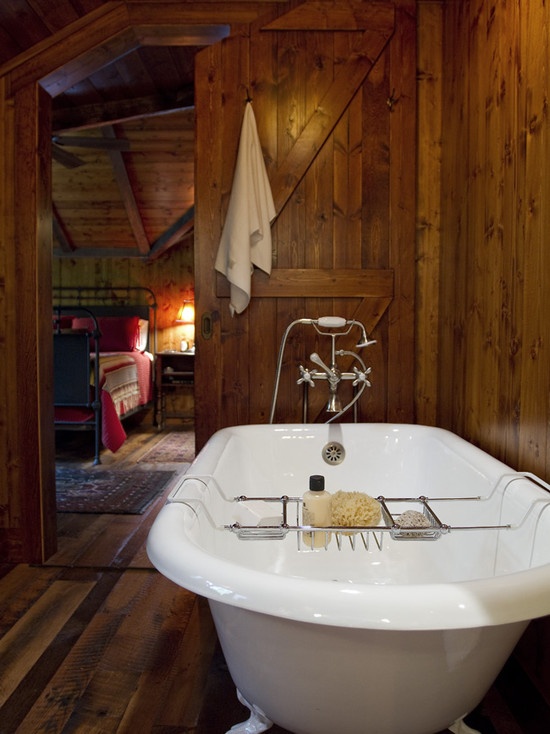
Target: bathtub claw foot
(256, 724)
(459, 727)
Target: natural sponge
(353, 509)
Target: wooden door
(333, 92)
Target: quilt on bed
(126, 384)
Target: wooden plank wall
(428, 208)
(494, 351)
(352, 211)
(495, 332)
(27, 384)
(170, 277)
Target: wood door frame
(27, 84)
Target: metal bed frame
(72, 349)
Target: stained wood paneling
(402, 213)
(494, 362)
(534, 177)
(28, 352)
(494, 264)
(6, 274)
(428, 207)
(169, 276)
(311, 118)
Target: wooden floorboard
(96, 640)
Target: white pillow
(143, 335)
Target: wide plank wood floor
(96, 640)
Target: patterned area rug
(177, 446)
(121, 492)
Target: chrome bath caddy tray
(391, 523)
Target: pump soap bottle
(317, 511)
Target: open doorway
(123, 205)
(27, 88)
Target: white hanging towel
(246, 237)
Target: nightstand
(174, 374)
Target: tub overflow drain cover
(333, 453)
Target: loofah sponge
(354, 509)
(412, 519)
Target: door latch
(206, 325)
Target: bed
(104, 347)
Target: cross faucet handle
(306, 376)
(361, 376)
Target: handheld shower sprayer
(330, 322)
(365, 342)
(328, 326)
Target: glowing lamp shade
(186, 317)
(186, 313)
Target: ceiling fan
(70, 160)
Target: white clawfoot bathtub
(382, 632)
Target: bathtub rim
(454, 605)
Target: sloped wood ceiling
(132, 194)
(123, 138)
(138, 202)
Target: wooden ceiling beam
(192, 35)
(114, 30)
(174, 233)
(60, 232)
(72, 54)
(100, 252)
(186, 13)
(127, 194)
(91, 143)
(317, 283)
(83, 66)
(65, 157)
(324, 15)
(38, 56)
(113, 113)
